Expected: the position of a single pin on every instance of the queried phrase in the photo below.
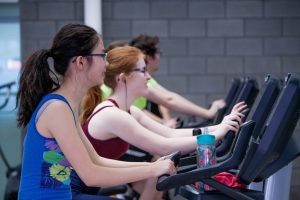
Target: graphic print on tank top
(56, 169)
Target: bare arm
(230, 122)
(158, 128)
(164, 112)
(113, 122)
(169, 122)
(59, 123)
(175, 102)
(166, 117)
(152, 116)
(104, 161)
(233, 120)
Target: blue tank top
(45, 170)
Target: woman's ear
(81, 63)
(122, 77)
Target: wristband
(197, 131)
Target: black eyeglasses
(142, 70)
(102, 55)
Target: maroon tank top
(112, 148)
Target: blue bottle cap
(206, 139)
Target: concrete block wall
(202, 40)
(205, 43)
(40, 20)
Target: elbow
(169, 103)
(93, 182)
(89, 181)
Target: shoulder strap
(47, 100)
(90, 117)
(114, 102)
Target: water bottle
(206, 155)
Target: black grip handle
(224, 147)
(175, 157)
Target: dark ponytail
(35, 80)
(34, 83)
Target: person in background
(54, 144)
(158, 94)
(116, 43)
(113, 124)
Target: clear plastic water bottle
(206, 155)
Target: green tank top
(140, 102)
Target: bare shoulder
(58, 108)
(108, 115)
(57, 117)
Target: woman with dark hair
(113, 124)
(166, 99)
(54, 144)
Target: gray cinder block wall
(40, 20)
(204, 42)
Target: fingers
(234, 117)
(234, 129)
(232, 121)
(171, 168)
(164, 166)
(239, 107)
(239, 104)
(233, 125)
